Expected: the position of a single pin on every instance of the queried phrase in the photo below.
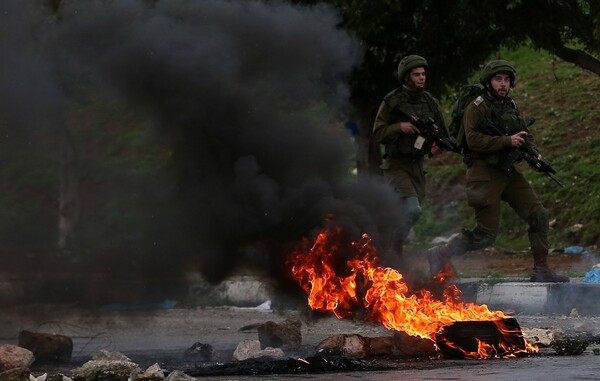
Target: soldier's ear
(400, 79)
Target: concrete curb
(514, 295)
(510, 295)
(536, 298)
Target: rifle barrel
(554, 179)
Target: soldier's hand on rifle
(518, 139)
(435, 149)
(408, 128)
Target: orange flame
(380, 292)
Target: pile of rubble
(277, 349)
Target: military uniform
(402, 154)
(488, 183)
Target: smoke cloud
(248, 96)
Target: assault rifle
(428, 129)
(516, 154)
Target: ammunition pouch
(493, 160)
(513, 156)
(503, 160)
(403, 145)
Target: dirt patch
(507, 264)
(499, 263)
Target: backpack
(466, 95)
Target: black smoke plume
(248, 97)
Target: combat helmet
(408, 63)
(495, 67)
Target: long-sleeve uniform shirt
(402, 154)
(487, 183)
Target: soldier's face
(500, 84)
(416, 79)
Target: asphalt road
(161, 336)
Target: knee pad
(539, 221)
(412, 209)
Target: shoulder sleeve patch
(478, 100)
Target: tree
(569, 29)
(392, 29)
(457, 37)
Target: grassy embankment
(563, 99)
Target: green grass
(563, 100)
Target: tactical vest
(422, 105)
(506, 117)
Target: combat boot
(439, 258)
(545, 274)
(541, 271)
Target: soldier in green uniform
(488, 184)
(403, 149)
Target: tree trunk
(578, 57)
